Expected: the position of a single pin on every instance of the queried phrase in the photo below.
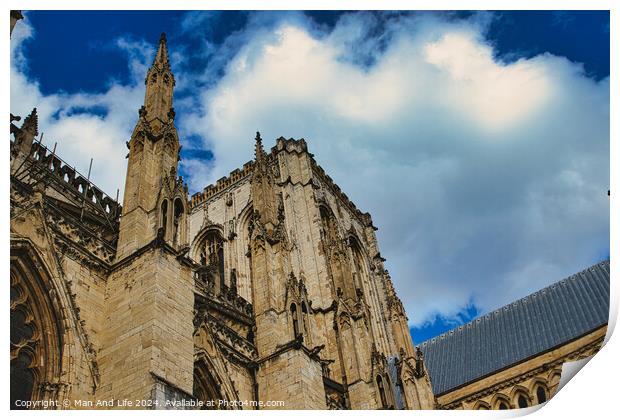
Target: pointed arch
(206, 388)
(37, 327)
(163, 216)
(337, 254)
(244, 267)
(305, 323)
(295, 320)
(329, 221)
(208, 251)
(501, 402)
(481, 405)
(179, 222)
(361, 262)
(211, 379)
(200, 238)
(296, 301)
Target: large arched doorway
(36, 330)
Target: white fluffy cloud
(487, 180)
(84, 125)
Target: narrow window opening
(304, 315)
(220, 263)
(295, 320)
(178, 214)
(164, 216)
(382, 395)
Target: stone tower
(149, 312)
(264, 290)
(153, 159)
(287, 364)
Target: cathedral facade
(265, 290)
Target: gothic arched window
(503, 406)
(304, 319)
(211, 254)
(178, 222)
(522, 401)
(35, 330)
(541, 395)
(295, 319)
(337, 255)
(359, 262)
(304, 312)
(22, 375)
(164, 216)
(382, 395)
(330, 231)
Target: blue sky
(88, 60)
(498, 122)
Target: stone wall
(148, 326)
(522, 379)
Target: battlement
(70, 177)
(221, 184)
(300, 146)
(364, 218)
(225, 182)
(290, 145)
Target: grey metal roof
(545, 319)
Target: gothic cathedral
(265, 290)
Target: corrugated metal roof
(545, 319)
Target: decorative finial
(259, 152)
(161, 56)
(31, 123)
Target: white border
(590, 395)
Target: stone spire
(159, 86)
(263, 186)
(31, 123)
(24, 137)
(259, 152)
(161, 57)
(153, 162)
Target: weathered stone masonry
(268, 286)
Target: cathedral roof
(548, 318)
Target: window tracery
(212, 256)
(35, 334)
